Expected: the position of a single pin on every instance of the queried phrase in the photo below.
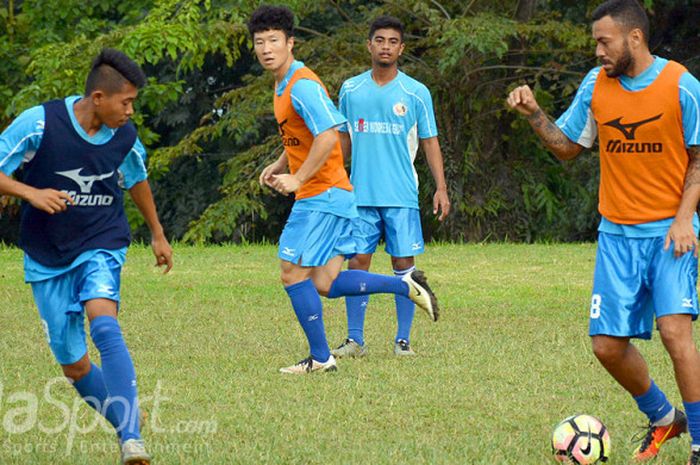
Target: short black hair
(386, 22)
(628, 13)
(111, 69)
(272, 18)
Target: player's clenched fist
(50, 200)
(522, 99)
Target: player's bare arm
(523, 100)
(318, 154)
(50, 201)
(143, 198)
(346, 146)
(277, 167)
(433, 155)
(681, 232)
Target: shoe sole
(418, 277)
(137, 462)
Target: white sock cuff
(404, 272)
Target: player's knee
(607, 351)
(677, 340)
(76, 371)
(360, 262)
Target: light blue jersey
(19, 144)
(311, 102)
(385, 125)
(578, 124)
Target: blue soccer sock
(119, 375)
(405, 309)
(692, 411)
(653, 403)
(355, 308)
(309, 310)
(358, 282)
(92, 389)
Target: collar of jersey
(296, 64)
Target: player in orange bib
(644, 111)
(318, 234)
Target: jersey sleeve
(427, 126)
(20, 141)
(577, 122)
(133, 169)
(313, 105)
(690, 108)
(343, 107)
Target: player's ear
(403, 46)
(290, 44)
(636, 38)
(97, 97)
(369, 45)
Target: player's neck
(281, 72)
(641, 64)
(382, 75)
(86, 117)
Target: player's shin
(92, 389)
(309, 311)
(358, 282)
(119, 375)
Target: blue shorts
(312, 238)
(400, 226)
(635, 280)
(61, 303)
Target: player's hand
(163, 253)
(267, 175)
(285, 183)
(441, 203)
(50, 201)
(682, 234)
(523, 100)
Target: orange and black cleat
(656, 436)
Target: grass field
(508, 359)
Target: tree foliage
(206, 115)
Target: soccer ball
(581, 440)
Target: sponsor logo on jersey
(378, 127)
(85, 183)
(628, 131)
(400, 109)
(687, 303)
(287, 141)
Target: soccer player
(644, 111)
(389, 114)
(318, 232)
(75, 153)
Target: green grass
(509, 358)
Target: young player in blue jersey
(645, 112)
(75, 156)
(318, 234)
(389, 115)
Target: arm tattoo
(551, 135)
(692, 175)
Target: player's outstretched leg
(413, 285)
